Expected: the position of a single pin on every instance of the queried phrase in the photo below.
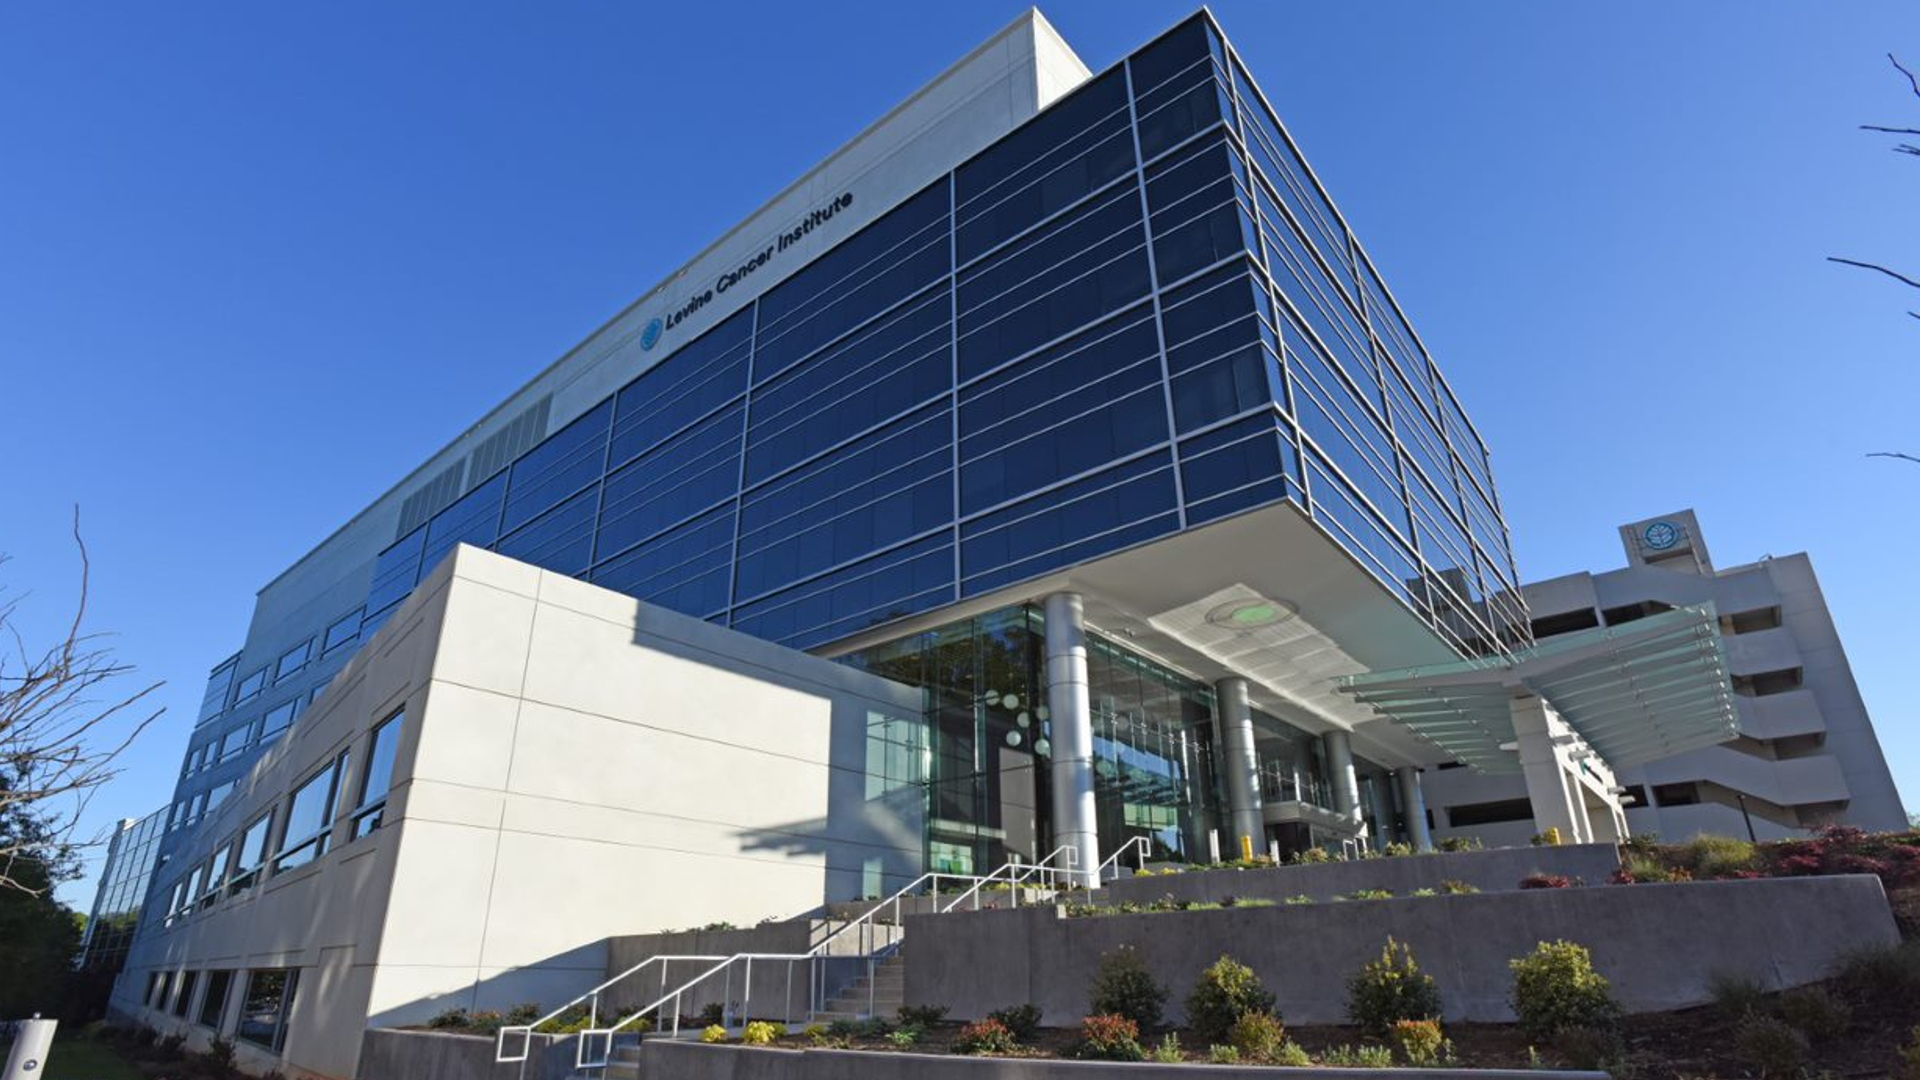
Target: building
(1067, 402)
(1805, 754)
(125, 876)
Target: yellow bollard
(1246, 848)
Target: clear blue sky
(257, 261)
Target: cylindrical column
(1414, 802)
(1346, 783)
(1380, 787)
(1071, 723)
(1241, 766)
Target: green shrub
(1227, 990)
(1219, 1054)
(1454, 887)
(924, 1016)
(1369, 894)
(1258, 1036)
(1735, 995)
(1591, 1048)
(1555, 988)
(760, 1033)
(907, 1037)
(1816, 1012)
(984, 1037)
(220, 1054)
(1886, 974)
(1421, 1042)
(713, 1033)
(1110, 1037)
(1642, 843)
(1397, 850)
(1291, 1055)
(1772, 1047)
(1646, 868)
(1302, 898)
(1910, 1056)
(1122, 986)
(817, 1034)
(451, 1018)
(486, 1021)
(1169, 1052)
(1359, 1057)
(713, 1012)
(1423, 892)
(1311, 855)
(524, 1013)
(1718, 856)
(1461, 843)
(1391, 988)
(1022, 1020)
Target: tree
(59, 711)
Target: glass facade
(1137, 313)
(131, 859)
(988, 734)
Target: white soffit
(1288, 656)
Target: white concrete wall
(573, 766)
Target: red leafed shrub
(985, 1037)
(1798, 865)
(1547, 881)
(1110, 1037)
(1622, 876)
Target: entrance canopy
(1634, 692)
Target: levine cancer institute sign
(657, 327)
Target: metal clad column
(1415, 802)
(1241, 765)
(1380, 788)
(1346, 783)
(1071, 723)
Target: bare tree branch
(1911, 81)
(57, 709)
(1895, 454)
(1871, 266)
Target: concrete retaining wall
(1659, 944)
(1489, 871)
(779, 989)
(391, 1054)
(695, 1061)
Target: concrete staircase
(623, 1065)
(887, 986)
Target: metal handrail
(1141, 843)
(864, 922)
(1019, 872)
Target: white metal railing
(1018, 872)
(1141, 845)
(866, 947)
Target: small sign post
(32, 1039)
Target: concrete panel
(1660, 945)
(431, 1055)
(1489, 871)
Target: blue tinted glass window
(882, 264)
(684, 570)
(698, 378)
(473, 519)
(888, 586)
(871, 494)
(1092, 516)
(1075, 269)
(897, 363)
(1174, 52)
(1243, 464)
(686, 475)
(1067, 409)
(396, 572)
(565, 462)
(560, 540)
(1187, 105)
(344, 631)
(1067, 152)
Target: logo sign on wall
(650, 336)
(1661, 535)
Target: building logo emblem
(1661, 535)
(651, 335)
